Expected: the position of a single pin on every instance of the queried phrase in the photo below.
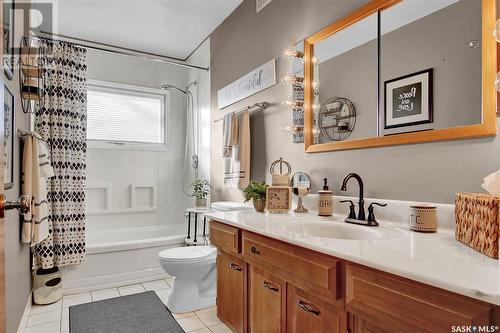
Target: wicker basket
(477, 221)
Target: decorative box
(477, 221)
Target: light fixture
(497, 82)
(290, 53)
(293, 103)
(496, 31)
(292, 79)
(293, 129)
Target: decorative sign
(408, 100)
(253, 82)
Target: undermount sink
(340, 230)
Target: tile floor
(54, 318)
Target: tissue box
(477, 221)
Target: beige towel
(36, 171)
(237, 167)
(229, 134)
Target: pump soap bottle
(325, 202)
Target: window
(126, 116)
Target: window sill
(111, 145)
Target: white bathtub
(122, 256)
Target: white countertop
(436, 259)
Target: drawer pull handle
(268, 286)
(235, 267)
(254, 250)
(304, 306)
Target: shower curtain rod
(120, 50)
(257, 106)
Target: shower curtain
(62, 122)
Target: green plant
(201, 188)
(255, 190)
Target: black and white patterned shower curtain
(62, 122)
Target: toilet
(193, 269)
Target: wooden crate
(477, 221)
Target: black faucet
(361, 202)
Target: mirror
(399, 72)
(345, 82)
(301, 186)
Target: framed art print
(8, 142)
(408, 100)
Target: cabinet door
(359, 325)
(306, 313)
(266, 303)
(231, 291)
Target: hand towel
(237, 166)
(35, 175)
(229, 134)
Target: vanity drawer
(302, 267)
(397, 304)
(225, 237)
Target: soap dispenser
(325, 202)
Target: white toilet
(193, 269)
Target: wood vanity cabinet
(266, 302)
(266, 286)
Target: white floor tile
(44, 317)
(132, 289)
(220, 328)
(208, 316)
(183, 315)
(52, 327)
(64, 325)
(190, 323)
(46, 308)
(164, 295)
(170, 281)
(156, 285)
(201, 330)
(99, 295)
(76, 299)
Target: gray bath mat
(137, 313)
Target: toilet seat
(188, 254)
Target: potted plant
(257, 192)
(201, 189)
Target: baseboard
(26, 313)
(75, 286)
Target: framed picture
(408, 100)
(8, 38)
(8, 142)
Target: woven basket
(477, 221)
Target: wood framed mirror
(418, 71)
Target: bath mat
(137, 313)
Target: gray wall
(420, 172)
(17, 255)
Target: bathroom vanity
(291, 273)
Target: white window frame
(129, 145)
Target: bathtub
(122, 257)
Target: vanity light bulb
(315, 85)
(497, 82)
(496, 31)
(291, 53)
(293, 79)
(314, 60)
(293, 103)
(315, 131)
(315, 106)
